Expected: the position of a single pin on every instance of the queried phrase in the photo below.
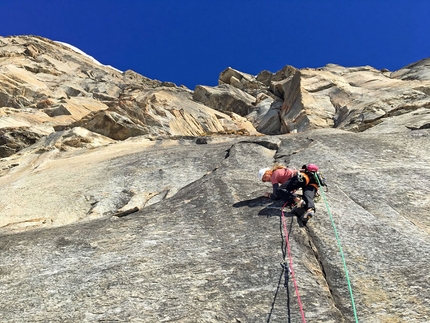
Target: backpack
(313, 170)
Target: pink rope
(287, 242)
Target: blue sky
(190, 42)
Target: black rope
(285, 272)
(286, 285)
(276, 295)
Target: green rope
(340, 247)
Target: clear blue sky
(191, 41)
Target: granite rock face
(50, 86)
(126, 199)
(354, 99)
(205, 246)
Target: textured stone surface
(225, 98)
(49, 85)
(354, 98)
(210, 249)
(121, 201)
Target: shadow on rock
(273, 209)
(258, 201)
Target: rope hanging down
(287, 242)
(340, 248)
(285, 272)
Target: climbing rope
(287, 243)
(285, 268)
(276, 295)
(286, 272)
(340, 247)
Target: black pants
(284, 192)
(308, 196)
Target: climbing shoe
(308, 215)
(300, 222)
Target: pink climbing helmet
(311, 167)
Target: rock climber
(277, 175)
(304, 179)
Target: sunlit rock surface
(126, 199)
(205, 246)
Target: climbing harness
(303, 177)
(340, 248)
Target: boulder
(225, 98)
(14, 139)
(266, 116)
(111, 124)
(243, 81)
